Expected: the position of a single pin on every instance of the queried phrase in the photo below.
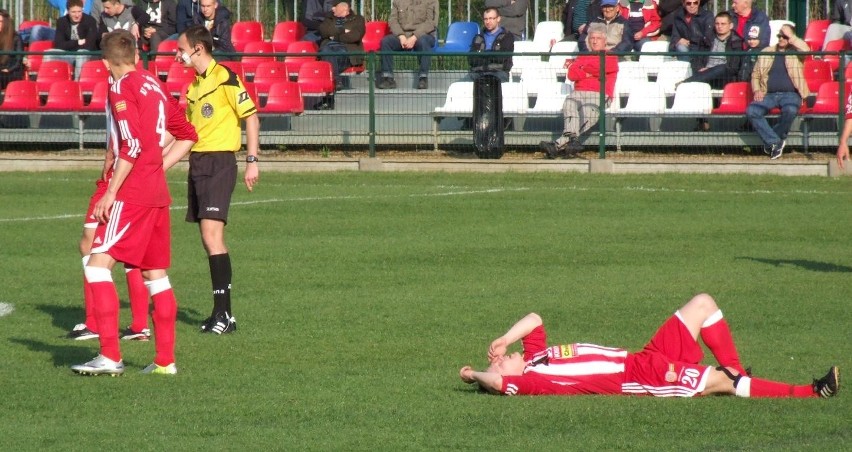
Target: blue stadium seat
(459, 37)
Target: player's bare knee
(705, 303)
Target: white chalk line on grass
(464, 193)
(6, 309)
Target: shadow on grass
(62, 355)
(825, 267)
(65, 317)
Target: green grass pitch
(360, 295)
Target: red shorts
(137, 236)
(668, 365)
(100, 188)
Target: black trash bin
(488, 117)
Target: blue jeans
(390, 43)
(788, 102)
(335, 53)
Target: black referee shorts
(211, 181)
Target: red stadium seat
(815, 33)
(267, 73)
(285, 33)
(735, 99)
(258, 49)
(315, 77)
(168, 49)
(252, 92)
(92, 73)
(34, 61)
(51, 72)
(834, 47)
(295, 61)
(245, 32)
(97, 104)
(64, 96)
(827, 99)
(284, 97)
(21, 95)
(32, 23)
(236, 67)
(816, 73)
(178, 77)
(373, 34)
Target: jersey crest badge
(207, 110)
(671, 375)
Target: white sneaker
(100, 365)
(154, 369)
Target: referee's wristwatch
(251, 159)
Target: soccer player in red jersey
(668, 366)
(843, 147)
(181, 136)
(133, 214)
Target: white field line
(6, 309)
(458, 192)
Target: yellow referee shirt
(215, 103)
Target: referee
(216, 102)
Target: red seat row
(737, 95)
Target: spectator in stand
(513, 14)
(745, 16)
(750, 58)
(492, 38)
(162, 15)
(342, 32)
(667, 9)
(75, 32)
(842, 13)
(778, 81)
(186, 11)
(98, 9)
(413, 24)
(718, 68)
(575, 19)
(618, 35)
(581, 108)
(314, 13)
(217, 20)
(692, 30)
(118, 16)
(11, 66)
(721, 66)
(46, 33)
(643, 20)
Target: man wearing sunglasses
(692, 30)
(746, 16)
(778, 81)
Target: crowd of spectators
(709, 42)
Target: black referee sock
(220, 274)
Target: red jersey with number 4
(140, 109)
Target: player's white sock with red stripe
(89, 300)
(758, 387)
(138, 294)
(106, 310)
(717, 336)
(164, 316)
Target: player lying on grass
(668, 366)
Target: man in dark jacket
(718, 69)
(76, 31)
(314, 13)
(493, 38)
(667, 8)
(186, 10)
(692, 30)
(162, 15)
(217, 19)
(342, 32)
(514, 14)
(575, 18)
(745, 16)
